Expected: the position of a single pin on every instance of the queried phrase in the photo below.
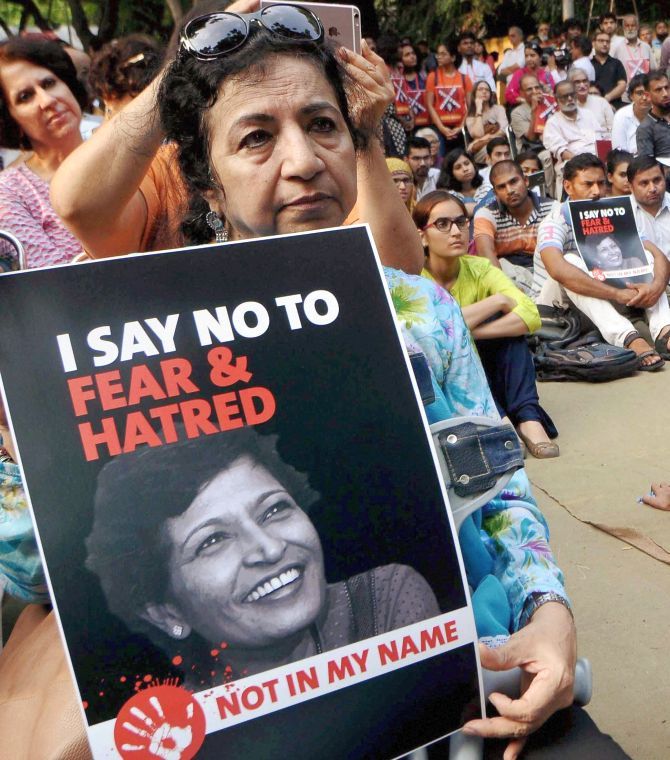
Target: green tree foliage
(436, 19)
(97, 21)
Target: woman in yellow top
(498, 314)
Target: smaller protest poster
(547, 107)
(244, 531)
(608, 242)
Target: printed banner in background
(244, 530)
(608, 241)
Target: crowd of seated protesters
(482, 235)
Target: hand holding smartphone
(341, 23)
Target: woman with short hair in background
(41, 103)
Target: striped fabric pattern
(508, 234)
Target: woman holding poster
(297, 149)
(226, 559)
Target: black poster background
(346, 414)
(624, 233)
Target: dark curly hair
(47, 54)
(190, 88)
(137, 493)
(125, 66)
(447, 181)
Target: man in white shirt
(580, 50)
(608, 23)
(597, 105)
(628, 119)
(633, 53)
(570, 131)
(561, 276)
(516, 57)
(470, 66)
(650, 201)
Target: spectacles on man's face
(445, 223)
(566, 96)
(217, 34)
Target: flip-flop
(650, 367)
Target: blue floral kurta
(506, 543)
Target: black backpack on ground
(562, 353)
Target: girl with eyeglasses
(498, 314)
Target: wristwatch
(536, 600)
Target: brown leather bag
(40, 718)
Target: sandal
(661, 345)
(665, 354)
(651, 367)
(540, 449)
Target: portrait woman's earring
(177, 631)
(214, 223)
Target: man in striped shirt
(505, 230)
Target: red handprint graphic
(160, 723)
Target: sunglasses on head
(445, 223)
(217, 34)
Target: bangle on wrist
(537, 600)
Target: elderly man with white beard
(570, 131)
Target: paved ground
(620, 594)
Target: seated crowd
(466, 194)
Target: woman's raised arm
(96, 189)
(379, 203)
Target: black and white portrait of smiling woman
(220, 552)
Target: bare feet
(641, 347)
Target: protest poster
(608, 242)
(245, 534)
(547, 106)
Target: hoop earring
(214, 223)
